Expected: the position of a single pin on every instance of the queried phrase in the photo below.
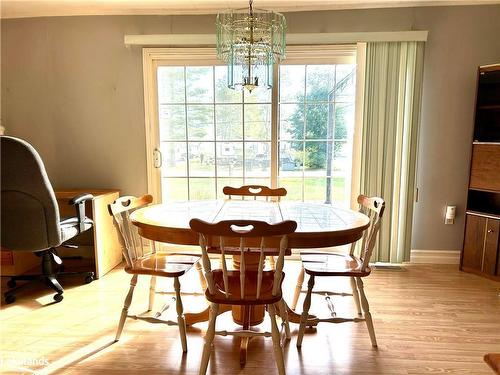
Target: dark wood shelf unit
(479, 213)
(494, 106)
(481, 249)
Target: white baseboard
(435, 256)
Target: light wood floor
(428, 319)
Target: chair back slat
(132, 244)
(206, 265)
(216, 236)
(278, 275)
(374, 208)
(370, 245)
(224, 265)
(242, 267)
(260, 270)
(254, 191)
(368, 230)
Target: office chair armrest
(79, 203)
(80, 198)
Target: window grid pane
(316, 126)
(210, 136)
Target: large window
(211, 136)
(206, 136)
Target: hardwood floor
(428, 319)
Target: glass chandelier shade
(250, 41)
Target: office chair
(30, 215)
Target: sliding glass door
(203, 136)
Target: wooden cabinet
(480, 253)
(99, 249)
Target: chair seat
(70, 227)
(333, 264)
(266, 296)
(163, 264)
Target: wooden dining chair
(142, 259)
(245, 287)
(254, 191)
(317, 264)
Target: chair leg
(203, 281)
(152, 292)
(209, 338)
(272, 262)
(49, 275)
(126, 305)
(366, 310)
(284, 317)
(180, 314)
(52, 282)
(355, 295)
(305, 311)
(298, 288)
(278, 350)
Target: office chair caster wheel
(89, 278)
(11, 283)
(58, 297)
(10, 299)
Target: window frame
(205, 56)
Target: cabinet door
(485, 166)
(474, 241)
(491, 246)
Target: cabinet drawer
(485, 166)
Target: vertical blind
(391, 116)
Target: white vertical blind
(393, 86)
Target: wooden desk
(102, 240)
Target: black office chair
(30, 215)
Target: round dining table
(318, 226)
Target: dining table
(318, 225)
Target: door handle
(157, 158)
(490, 230)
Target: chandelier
(250, 41)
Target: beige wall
(71, 87)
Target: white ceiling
(45, 8)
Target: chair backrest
(29, 210)
(271, 237)
(374, 208)
(133, 245)
(254, 191)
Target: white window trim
(154, 57)
(171, 40)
